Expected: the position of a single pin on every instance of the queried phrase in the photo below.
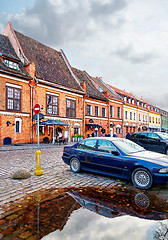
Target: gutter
(69, 68)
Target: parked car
(153, 141)
(120, 158)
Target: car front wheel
(142, 178)
(75, 165)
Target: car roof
(105, 138)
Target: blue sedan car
(118, 157)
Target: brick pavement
(55, 174)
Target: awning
(93, 126)
(54, 122)
(118, 126)
(155, 127)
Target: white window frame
(20, 124)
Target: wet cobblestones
(55, 174)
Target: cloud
(123, 41)
(59, 21)
(104, 8)
(129, 54)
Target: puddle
(86, 214)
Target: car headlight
(163, 170)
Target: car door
(106, 161)
(143, 140)
(154, 143)
(86, 153)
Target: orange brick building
(30, 73)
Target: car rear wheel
(75, 165)
(142, 178)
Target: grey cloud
(128, 53)
(64, 21)
(100, 8)
(53, 25)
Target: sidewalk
(23, 146)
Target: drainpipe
(84, 130)
(123, 120)
(31, 112)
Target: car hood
(153, 157)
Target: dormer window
(11, 64)
(100, 89)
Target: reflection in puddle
(86, 213)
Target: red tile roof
(50, 64)
(90, 88)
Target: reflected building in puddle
(59, 212)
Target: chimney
(83, 85)
(106, 94)
(31, 69)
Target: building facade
(31, 72)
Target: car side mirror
(116, 153)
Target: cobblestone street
(55, 174)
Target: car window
(153, 135)
(135, 135)
(89, 144)
(105, 146)
(143, 135)
(163, 135)
(128, 146)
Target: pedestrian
(92, 134)
(128, 135)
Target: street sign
(37, 108)
(41, 116)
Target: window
(105, 146)
(96, 111)
(52, 104)
(126, 115)
(130, 115)
(89, 110)
(11, 64)
(71, 108)
(139, 117)
(150, 119)
(13, 98)
(103, 112)
(18, 125)
(89, 144)
(119, 112)
(134, 116)
(143, 118)
(111, 111)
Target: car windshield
(163, 135)
(128, 146)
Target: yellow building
(154, 119)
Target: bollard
(38, 170)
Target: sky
(123, 41)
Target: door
(86, 153)
(143, 140)
(106, 161)
(154, 143)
